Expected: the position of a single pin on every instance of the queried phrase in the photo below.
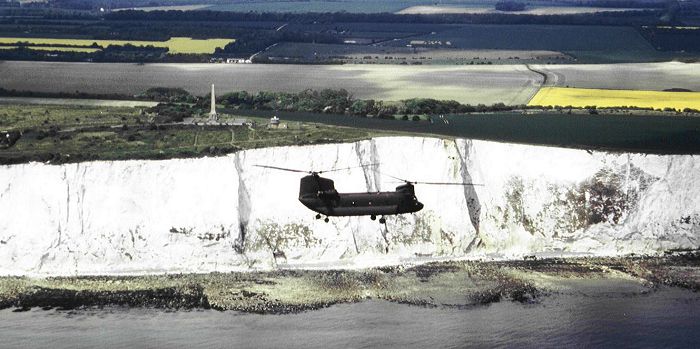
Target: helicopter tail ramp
(188, 215)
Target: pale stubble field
(509, 84)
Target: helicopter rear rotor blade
(282, 168)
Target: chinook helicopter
(319, 195)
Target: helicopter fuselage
(319, 195)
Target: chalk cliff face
(223, 214)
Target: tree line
(342, 102)
(180, 103)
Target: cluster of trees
(24, 54)
(170, 112)
(250, 42)
(342, 102)
(112, 53)
(130, 53)
(76, 94)
(168, 94)
(156, 94)
(510, 6)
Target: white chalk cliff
(223, 214)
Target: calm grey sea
(665, 318)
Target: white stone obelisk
(212, 113)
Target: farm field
(165, 8)
(590, 44)
(470, 84)
(308, 6)
(579, 97)
(627, 76)
(509, 84)
(361, 6)
(400, 6)
(371, 54)
(175, 45)
(539, 37)
(538, 10)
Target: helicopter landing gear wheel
(382, 220)
(373, 217)
(318, 216)
(326, 220)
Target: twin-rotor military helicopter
(319, 195)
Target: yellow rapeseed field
(175, 45)
(582, 97)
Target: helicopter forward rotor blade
(394, 177)
(348, 168)
(282, 168)
(448, 183)
(428, 183)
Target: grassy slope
(67, 134)
(80, 133)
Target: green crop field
(593, 44)
(540, 37)
(292, 52)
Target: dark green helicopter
(319, 195)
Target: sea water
(663, 318)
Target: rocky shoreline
(449, 284)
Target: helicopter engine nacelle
(315, 185)
(407, 189)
